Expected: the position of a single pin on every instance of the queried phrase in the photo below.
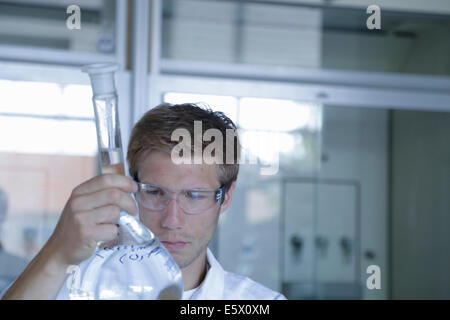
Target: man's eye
(154, 192)
(194, 195)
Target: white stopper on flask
(102, 77)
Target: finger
(105, 232)
(105, 215)
(104, 198)
(106, 181)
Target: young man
(184, 224)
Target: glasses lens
(152, 198)
(195, 202)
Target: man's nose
(173, 216)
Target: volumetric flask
(135, 265)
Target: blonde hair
(154, 130)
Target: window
(330, 35)
(48, 147)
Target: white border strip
(323, 93)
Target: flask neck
(108, 133)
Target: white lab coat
(222, 285)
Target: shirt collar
(212, 285)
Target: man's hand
(90, 216)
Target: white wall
(421, 205)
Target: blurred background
(355, 123)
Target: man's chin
(178, 256)
(182, 263)
(182, 258)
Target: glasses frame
(219, 195)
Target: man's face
(186, 236)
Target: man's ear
(228, 197)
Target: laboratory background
(343, 107)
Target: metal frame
(139, 56)
(50, 56)
(155, 53)
(155, 36)
(305, 75)
(121, 33)
(27, 71)
(329, 94)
